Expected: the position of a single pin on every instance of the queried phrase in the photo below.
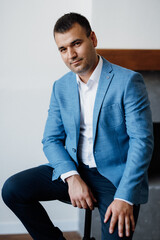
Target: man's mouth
(76, 61)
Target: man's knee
(10, 190)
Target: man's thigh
(36, 184)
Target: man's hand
(120, 212)
(80, 194)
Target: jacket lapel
(75, 103)
(104, 82)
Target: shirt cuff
(68, 174)
(125, 201)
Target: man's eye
(77, 44)
(62, 50)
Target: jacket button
(74, 150)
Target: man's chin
(77, 69)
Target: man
(98, 140)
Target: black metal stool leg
(87, 226)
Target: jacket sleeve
(139, 129)
(54, 140)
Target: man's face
(77, 50)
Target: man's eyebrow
(60, 48)
(72, 43)
(76, 40)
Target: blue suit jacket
(122, 130)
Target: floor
(67, 235)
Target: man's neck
(85, 77)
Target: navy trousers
(23, 191)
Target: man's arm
(139, 128)
(54, 139)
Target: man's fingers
(113, 222)
(132, 222)
(108, 214)
(84, 204)
(121, 225)
(127, 226)
(79, 204)
(120, 212)
(90, 199)
(73, 203)
(89, 203)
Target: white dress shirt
(87, 94)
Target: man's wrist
(66, 175)
(130, 203)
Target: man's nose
(71, 53)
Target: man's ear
(93, 38)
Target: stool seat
(87, 223)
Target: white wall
(29, 63)
(127, 23)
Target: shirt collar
(96, 73)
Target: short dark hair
(66, 22)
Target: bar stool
(87, 223)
